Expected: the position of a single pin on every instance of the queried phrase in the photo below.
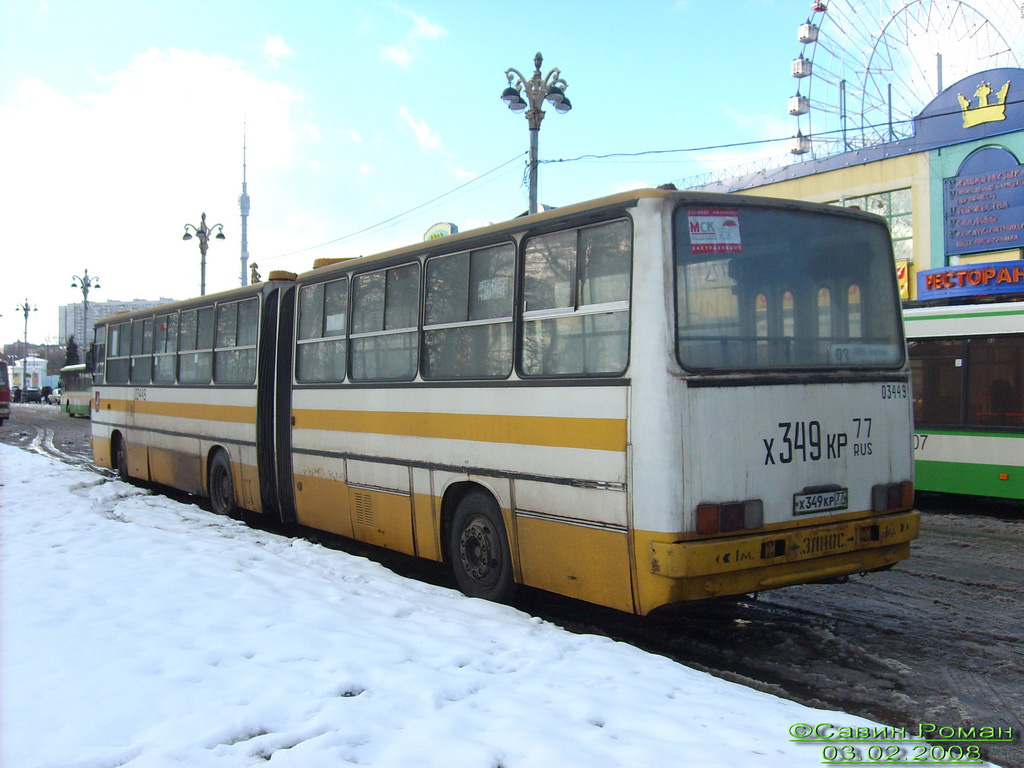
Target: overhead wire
(579, 158)
(397, 216)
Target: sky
(365, 122)
(230, 646)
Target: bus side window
(937, 369)
(467, 327)
(385, 314)
(195, 346)
(165, 347)
(118, 351)
(322, 345)
(576, 301)
(234, 360)
(142, 351)
(99, 353)
(994, 378)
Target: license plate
(821, 501)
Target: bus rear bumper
(752, 563)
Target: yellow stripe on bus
(238, 414)
(556, 432)
(549, 431)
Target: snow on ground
(139, 631)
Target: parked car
(31, 395)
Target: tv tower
(243, 203)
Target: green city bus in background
(967, 363)
(76, 395)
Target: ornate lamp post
(25, 308)
(552, 87)
(85, 283)
(203, 233)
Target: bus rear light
(707, 518)
(907, 500)
(892, 496)
(730, 516)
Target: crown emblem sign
(985, 112)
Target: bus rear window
(769, 289)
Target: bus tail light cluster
(730, 516)
(892, 496)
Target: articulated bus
(967, 363)
(76, 390)
(653, 397)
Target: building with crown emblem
(953, 193)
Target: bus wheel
(222, 487)
(479, 549)
(121, 459)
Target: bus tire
(479, 549)
(121, 459)
(221, 485)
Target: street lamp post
(538, 88)
(25, 308)
(203, 233)
(85, 283)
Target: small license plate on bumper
(820, 501)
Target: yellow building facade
(953, 193)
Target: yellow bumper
(751, 563)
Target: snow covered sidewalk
(138, 631)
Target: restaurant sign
(971, 280)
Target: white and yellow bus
(652, 397)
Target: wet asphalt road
(937, 640)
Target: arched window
(761, 316)
(788, 323)
(824, 313)
(853, 312)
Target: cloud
(401, 54)
(105, 180)
(424, 29)
(428, 139)
(276, 48)
(398, 55)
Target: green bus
(76, 395)
(967, 363)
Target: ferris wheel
(867, 67)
